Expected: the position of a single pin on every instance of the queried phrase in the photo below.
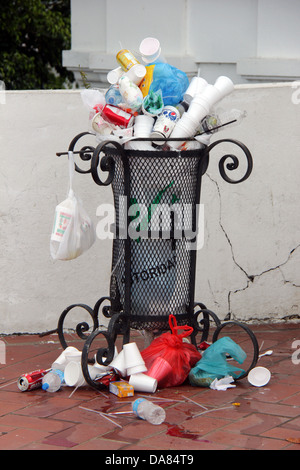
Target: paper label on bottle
(62, 218)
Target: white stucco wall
(249, 264)
(249, 40)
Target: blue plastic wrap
(171, 81)
(214, 364)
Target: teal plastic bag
(214, 365)
(171, 81)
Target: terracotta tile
(276, 392)
(166, 442)
(237, 440)
(282, 433)
(18, 438)
(48, 407)
(203, 424)
(293, 401)
(73, 435)
(255, 424)
(272, 408)
(100, 444)
(39, 420)
(29, 422)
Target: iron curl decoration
(81, 328)
(106, 309)
(234, 163)
(202, 325)
(85, 152)
(107, 163)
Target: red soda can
(115, 115)
(31, 380)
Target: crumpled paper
(222, 384)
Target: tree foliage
(33, 34)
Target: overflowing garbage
(147, 98)
(170, 360)
(167, 362)
(149, 105)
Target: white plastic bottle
(53, 380)
(146, 410)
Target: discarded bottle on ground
(53, 381)
(146, 410)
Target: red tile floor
(263, 418)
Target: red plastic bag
(169, 359)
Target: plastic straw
(189, 399)
(214, 409)
(104, 415)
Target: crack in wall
(250, 277)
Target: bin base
(119, 326)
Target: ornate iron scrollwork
(85, 152)
(81, 328)
(107, 163)
(203, 325)
(234, 163)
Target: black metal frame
(120, 319)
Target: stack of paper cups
(143, 383)
(196, 87)
(74, 377)
(199, 108)
(185, 127)
(143, 125)
(114, 75)
(211, 95)
(133, 359)
(68, 355)
(224, 85)
(136, 73)
(118, 363)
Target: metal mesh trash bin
(156, 199)
(162, 208)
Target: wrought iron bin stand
(156, 198)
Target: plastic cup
(185, 127)
(211, 95)
(118, 363)
(132, 356)
(69, 354)
(259, 376)
(136, 73)
(224, 85)
(101, 126)
(198, 109)
(114, 75)
(165, 123)
(196, 86)
(136, 369)
(143, 383)
(160, 369)
(143, 125)
(150, 49)
(74, 377)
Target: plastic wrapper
(175, 357)
(73, 231)
(214, 365)
(171, 81)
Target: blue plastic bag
(214, 365)
(171, 81)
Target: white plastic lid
(259, 376)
